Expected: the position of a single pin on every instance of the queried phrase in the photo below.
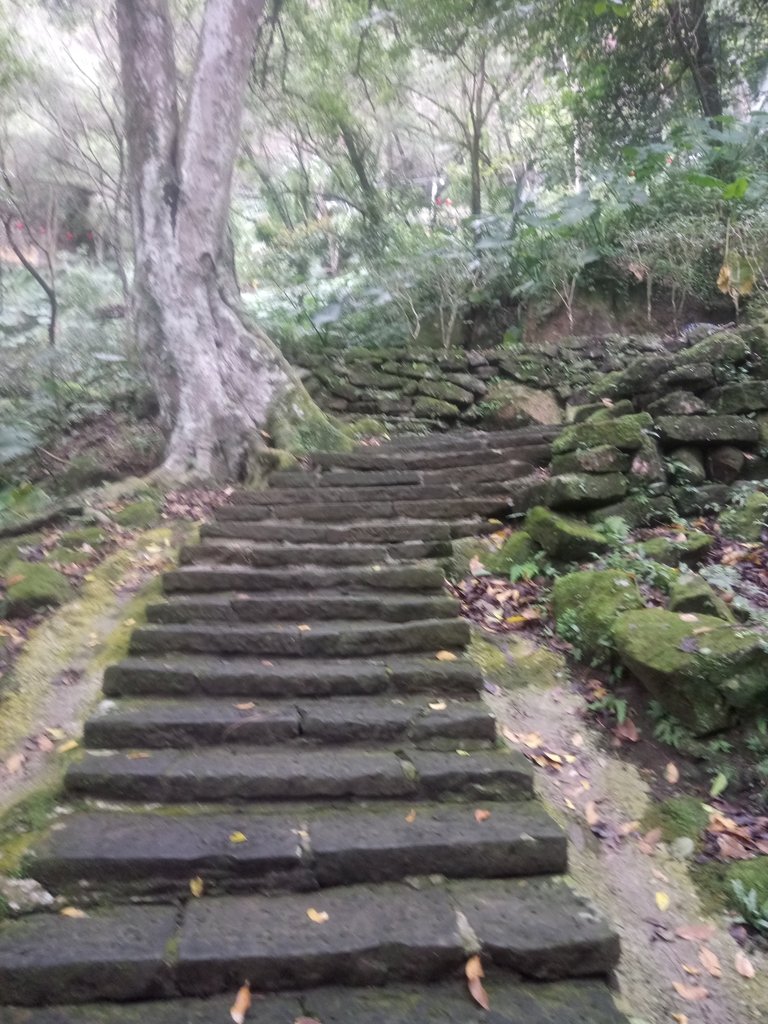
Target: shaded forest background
(437, 174)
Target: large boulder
(589, 603)
(583, 490)
(686, 466)
(512, 405)
(677, 403)
(749, 396)
(700, 669)
(691, 594)
(603, 459)
(564, 539)
(626, 433)
(689, 548)
(725, 463)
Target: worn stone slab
(194, 721)
(294, 606)
(237, 551)
(499, 775)
(115, 954)
(512, 1002)
(517, 839)
(422, 577)
(371, 478)
(387, 531)
(335, 639)
(372, 935)
(707, 429)
(275, 497)
(540, 928)
(169, 675)
(163, 851)
(229, 773)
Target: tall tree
(221, 383)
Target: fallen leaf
(72, 912)
(304, 627)
(45, 744)
(196, 886)
(662, 901)
(694, 971)
(696, 932)
(55, 733)
(446, 656)
(241, 1005)
(238, 837)
(719, 784)
(138, 755)
(318, 916)
(481, 816)
(672, 773)
(744, 965)
(438, 705)
(14, 763)
(627, 730)
(688, 617)
(710, 962)
(628, 827)
(577, 740)
(693, 993)
(475, 974)
(591, 814)
(532, 740)
(64, 748)
(248, 706)
(307, 1020)
(680, 1018)
(411, 816)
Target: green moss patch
(586, 605)
(139, 515)
(681, 816)
(564, 539)
(31, 586)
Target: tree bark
(690, 28)
(220, 381)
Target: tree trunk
(220, 382)
(690, 27)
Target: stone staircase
(284, 735)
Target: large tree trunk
(690, 28)
(219, 381)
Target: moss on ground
(138, 515)
(22, 825)
(678, 817)
(31, 586)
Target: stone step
(296, 606)
(456, 440)
(459, 486)
(487, 499)
(423, 723)
(152, 853)
(421, 578)
(234, 774)
(194, 675)
(372, 935)
(577, 1001)
(231, 551)
(388, 531)
(331, 638)
(388, 460)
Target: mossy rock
(669, 551)
(529, 665)
(31, 586)
(564, 539)
(638, 510)
(753, 874)
(603, 459)
(589, 603)
(749, 396)
(10, 550)
(679, 817)
(721, 350)
(704, 679)
(647, 465)
(748, 522)
(517, 405)
(626, 433)
(446, 392)
(66, 556)
(434, 408)
(686, 466)
(612, 412)
(518, 549)
(85, 471)
(584, 490)
(138, 515)
(691, 594)
(93, 536)
(707, 430)
(456, 567)
(678, 403)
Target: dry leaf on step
(662, 901)
(672, 773)
(196, 886)
(438, 705)
(693, 993)
(304, 627)
(481, 815)
(680, 1018)
(695, 932)
(709, 962)
(317, 916)
(64, 748)
(241, 1005)
(744, 965)
(475, 974)
(591, 814)
(411, 816)
(14, 763)
(237, 837)
(446, 656)
(72, 912)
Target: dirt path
(623, 880)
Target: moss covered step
(451, 486)
(272, 773)
(467, 439)
(487, 498)
(378, 459)
(386, 531)
(229, 551)
(559, 1002)
(626, 433)
(294, 606)
(245, 678)
(331, 638)
(148, 852)
(201, 579)
(424, 723)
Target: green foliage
(752, 911)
